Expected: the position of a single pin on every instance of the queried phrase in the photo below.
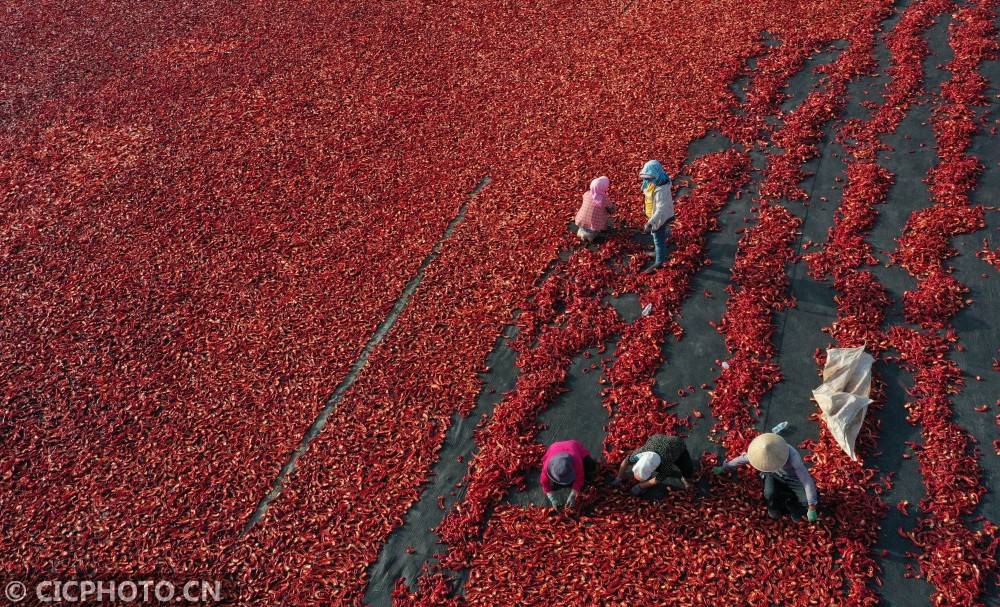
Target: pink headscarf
(593, 213)
(599, 191)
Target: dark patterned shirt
(669, 448)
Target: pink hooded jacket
(593, 213)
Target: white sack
(843, 396)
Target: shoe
(774, 513)
(652, 268)
(796, 514)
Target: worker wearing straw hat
(787, 483)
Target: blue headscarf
(652, 172)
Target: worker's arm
(579, 479)
(623, 467)
(621, 472)
(629, 460)
(812, 495)
(544, 481)
(742, 460)
(733, 463)
(638, 487)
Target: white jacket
(663, 208)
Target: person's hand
(685, 483)
(812, 515)
(718, 470)
(552, 500)
(636, 489)
(617, 482)
(571, 500)
(646, 229)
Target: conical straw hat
(768, 452)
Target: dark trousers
(784, 494)
(589, 469)
(685, 464)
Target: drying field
(288, 295)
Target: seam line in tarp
(359, 364)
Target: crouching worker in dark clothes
(788, 486)
(663, 460)
(566, 464)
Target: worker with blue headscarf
(659, 207)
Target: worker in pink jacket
(566, 464)
(595, 211)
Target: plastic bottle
(777, 429)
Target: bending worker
(662, 460)
(566, 464)
(788, 486)
(594, 215)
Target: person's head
(600, 185)
(652, 173)
(560, 469)
(768, 452)
(645, 466)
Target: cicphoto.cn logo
(139, 592)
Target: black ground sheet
(579, 412)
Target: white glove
(571, 499)
(646, 229)
(552, 500)
(636, 489)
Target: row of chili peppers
(759, 281)
(506, 444)
(867, 182)
(957, 557)
(380, 443)
(636, 412)
(641, 415)
(255, 306)
(509, 243)
(759, 288)
(542, 171)
(861, 299)
(638, 355)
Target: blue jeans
(660, 242)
